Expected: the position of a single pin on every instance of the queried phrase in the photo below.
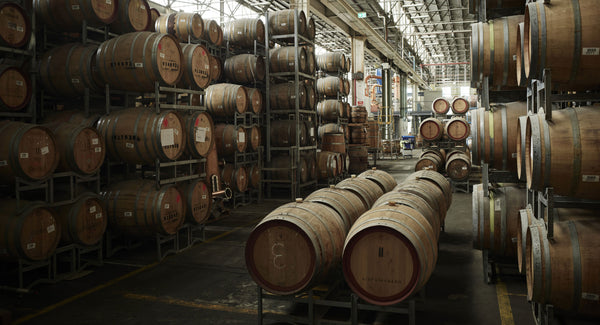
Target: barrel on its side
(368, 190)
(211, 31)
(327, 165)
(84, 221)
(458, 165)
(460, 106)
(283, 59)
(347, 204)
(223, 100)
(235, 178)
(282, 22)
(27, 151)
(17, 29)
(440, 106)
(245, 68)
(197, 200)
(15, 88)
(229, 139)
(430, 160)
(407, 248)
(307, 239)
(196, 66)
(60, 16)
(283, 133)
(457, 129)
(381, 178)
(330, 86)
(431, 129)
(255, 99)
(132, 16)
(359, 159)
(358, 114)
(184, 26)
(244, 32)
(140, 136)
(331, 61)
(283, 96)
(284, 172)
(31, 234)
(136, 208)
(334, 142)
(199, 130)
(81, 148)
(415, 201)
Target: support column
(386, 101)
(358, 72)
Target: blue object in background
(408, 142)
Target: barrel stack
(545, 145)
(334, 118)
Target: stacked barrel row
(444, 145)
(292, 119)
(401, 226)
(333, 112)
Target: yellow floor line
(198, 305)
(117, 280)
(506, 316)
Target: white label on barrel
(162, 55)
(201, 135)
(20, 29)
(334, 163)
(204, 197)
(50, 228)
(465, 168)
(45, 150)
(166, 205)
(242, 137)
(591, 51)
(128, 213)
(75, 7)
(167, 137)
(75, 80)
(220, 106)
(24, 155)
(239, 33)
(95, 141)
(291, 63)
(590, 296)
(514, 240)
(240, 71)
(312, 132)
(129, 145)
(590, 178)
(283, 24)
(514, 155)
(514, 57)
(139, 65)
(109, 2)
(98, 149)
(498, 205)
(227, 145)
(99, 215)
(293, 96)
(3, 163)
(19, 83)
(142, 7)
(92, 209)
(31, 246)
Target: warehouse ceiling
(431, 36)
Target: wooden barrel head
(440, 106)
(254, 177)
(255, 137)
(333, 142)
(196, 66)
(172, 136)
(83, 222)
(431, 129)
(460, 106)
(198, 200)
(15, 29)
(457, 129)
(216, 68)
(199, 131)
(211, 31)
(255, 98)
(15, 88)
(154, 14)
(137, 13)
(169, 60)
(87, 149)
(381, 178)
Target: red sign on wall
(360, 102)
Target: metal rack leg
(260, 306)
(354, 310)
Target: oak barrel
(431, 129)
(430, 160)
(211, 31)
(243, 32)
(563, 153)
(494, 51)
(216, 68)
(282, 22)
(184, 26)
(347, 204)
(358, 159)
(136, 208)
(224, 100)
(311, 61)
(381, 178)
(366, 189)
(294, 247)
(436, 179)
(140, 136)
(69, 69)
(311, 133)
(72, 117)
(458, 165)
(563, 271)
(311, 96)
(373, 134)
(310, 29)
(563, 37)
(457, 129)
(329, 128)
(311, 166)
(84, 221)
(495, 219)
(358, 134)
(197, 199)
(284, 170)
(199, 128)
(282, 59)
(327, 165)
(254, 137)
(522, 80)
(61, 15)
(30, 231)
(195, 66)
(27, 151)
(414, 201)
(283, 133)
(154, 14)
(235, 178)
(334, 142)
(358, 114)
(245, 68)
(494, 135)
(81, 148)
(407, 253)
(15, 88)
(132, 16)
(521, 147)
(229, 139)
(282, 96)
(255, 99)
(254, 176)
(331, 61)
(135, 61)
(440, 106)
(329, 110)
(330, 86)
(460, 106)
(16, 25)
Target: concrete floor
(208, 284)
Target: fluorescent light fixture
(412, 5)
(420, 16)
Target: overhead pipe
(448, 63)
